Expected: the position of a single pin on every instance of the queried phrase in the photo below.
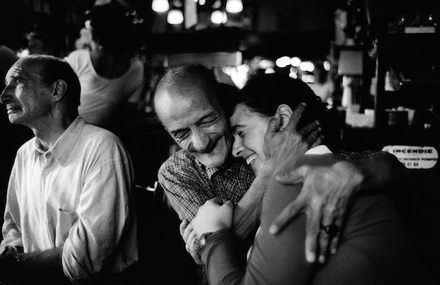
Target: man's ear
(59, 89)
(285, 113)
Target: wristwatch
(202, 241)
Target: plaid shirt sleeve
(182, 185)
(360, 155)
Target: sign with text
(415, 157)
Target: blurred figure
(85, 39)
(40, 43)
(112, 77)
(323, 86)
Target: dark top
(374, 248)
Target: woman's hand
(214, 215)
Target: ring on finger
(331, 230)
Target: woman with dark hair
(112, 77)
(374, 247)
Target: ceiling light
(175, 17)
(160, 6)
(218, 17)
(234, 6)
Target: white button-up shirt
(78, 194)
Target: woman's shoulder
(78, 59)
(79, 54)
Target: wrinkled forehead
(25, 70)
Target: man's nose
(200, 141)
(4, 96)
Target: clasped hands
(324, 197)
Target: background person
(112, 77)
(69, 211)
(374, 246)
(323, 86)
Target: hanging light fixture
(160, 6)
(218, 17)
(175, 17)
(234, 6)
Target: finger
(334, 243)
(291, 211)
(188, 230)
(318, 141)
(335, 238)
(191, 238)
(312, 236)
(323, 246)
(296, 115)
(274, 125)
(311, 138)
(183, 226)
(215, 200)
(194, 250)
(228, 203)
(308, 129)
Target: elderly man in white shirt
(69, 213)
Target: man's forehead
(24, 69)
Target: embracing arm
(379, 170)
(328, 200)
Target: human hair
(46, 39)
(263, 94)
(184, 78)
(51, 69)
(113, 28)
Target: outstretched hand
(325, 196)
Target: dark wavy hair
(263, 93)
(112, 27)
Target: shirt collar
(65, 143)
(320, 149)
(211, 171)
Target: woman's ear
(285, 113)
